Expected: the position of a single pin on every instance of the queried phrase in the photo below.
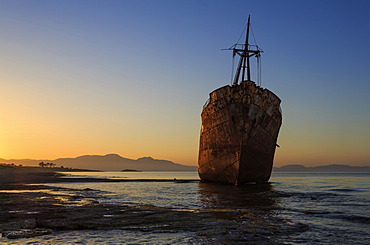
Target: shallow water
(325, 208)
(105, 237)
(335, 206)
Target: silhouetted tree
(42, 164)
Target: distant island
(6, 166)
(109, 162)
(131, 170)
(325, 168)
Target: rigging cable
(259, 61)
(258, 70)
(232, 69)
(240, 37)
(259, 73)
(255, 42)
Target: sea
(320, 208)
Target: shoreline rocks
(29, 210)
(26, 233)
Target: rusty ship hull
(240, 127)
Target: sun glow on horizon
(81, 79)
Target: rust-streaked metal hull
(240, 127)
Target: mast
(246, 46)
(245, 54)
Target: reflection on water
(215, 195)
(304, 208)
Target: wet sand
(29, 210)
(14, 175)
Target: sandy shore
(11, 175)
(37, 209)
(33, 210)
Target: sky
(131, 77)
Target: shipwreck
(240, 126)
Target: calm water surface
(333, 208)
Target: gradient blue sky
(131, 77)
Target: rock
(26, 233)
(29, 224)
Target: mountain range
(114, 162)
(109, 162)
(325, 168)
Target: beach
(47, 207)
(35, 210)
